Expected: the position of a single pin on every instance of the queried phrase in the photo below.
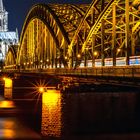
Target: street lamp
(95, 53)
(118, 50)
(78, 56)
(66, 57)
(41, 89)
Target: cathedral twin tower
(7, 38)
(3, 18)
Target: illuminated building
(7, 37)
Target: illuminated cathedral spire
(1, 6)
(7, 38)
(3, 18)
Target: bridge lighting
(118, 50)
(95, 53)
(41, 89)
(66, 57)
(78, 56)
(4, 78)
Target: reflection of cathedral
(7, 38)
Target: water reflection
(51, 113)
(6, 129)
(8, 88)
(7, 104)
(8, 85)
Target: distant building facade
(7, 37)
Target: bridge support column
(127, 46)
(133, 40)
(133, 45)
(102, 35)
(93, 50)
(85, 61)
(71, 60)
(114, 36)
(102, 44)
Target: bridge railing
(127, 71)
(121, 71)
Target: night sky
(18, 10)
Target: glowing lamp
(41, 89)
(118, 50)
(78, 56)
(95, 53)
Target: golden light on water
(8, 85)
(7, 104)
(51, 98)
(9, 133)
(51, 113)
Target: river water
(103, 115)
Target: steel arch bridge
(10, 60)
(104, 33)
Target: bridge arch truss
(46, 35)
(112, 31)
(65, 35)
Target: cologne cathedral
(7, 38)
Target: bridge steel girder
(50, 18)
(78, 34)
(120, 34)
